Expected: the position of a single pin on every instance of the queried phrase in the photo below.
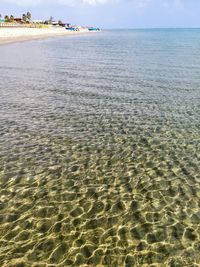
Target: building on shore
(18, 20)
(38, 21)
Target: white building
(37, 21)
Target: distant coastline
(12, 35)
(25, 28)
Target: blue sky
(111, 13)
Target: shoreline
(15, 35)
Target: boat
(93, 29)
(75, 29)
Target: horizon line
(154, 28)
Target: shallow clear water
(100, 150)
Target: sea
(100, 150)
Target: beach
(10, 35)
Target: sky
(111, 13)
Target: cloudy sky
(111, 13)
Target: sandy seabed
(10, 35)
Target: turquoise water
(100, 150)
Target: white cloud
(138, 4)
(60, 2)
(84, 2)
(23, 2)
(179, 3)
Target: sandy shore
(11, 35)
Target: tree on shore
(6, 18)
(11, 18)
(24, 18)
(28, 16)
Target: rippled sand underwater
(99, 165)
